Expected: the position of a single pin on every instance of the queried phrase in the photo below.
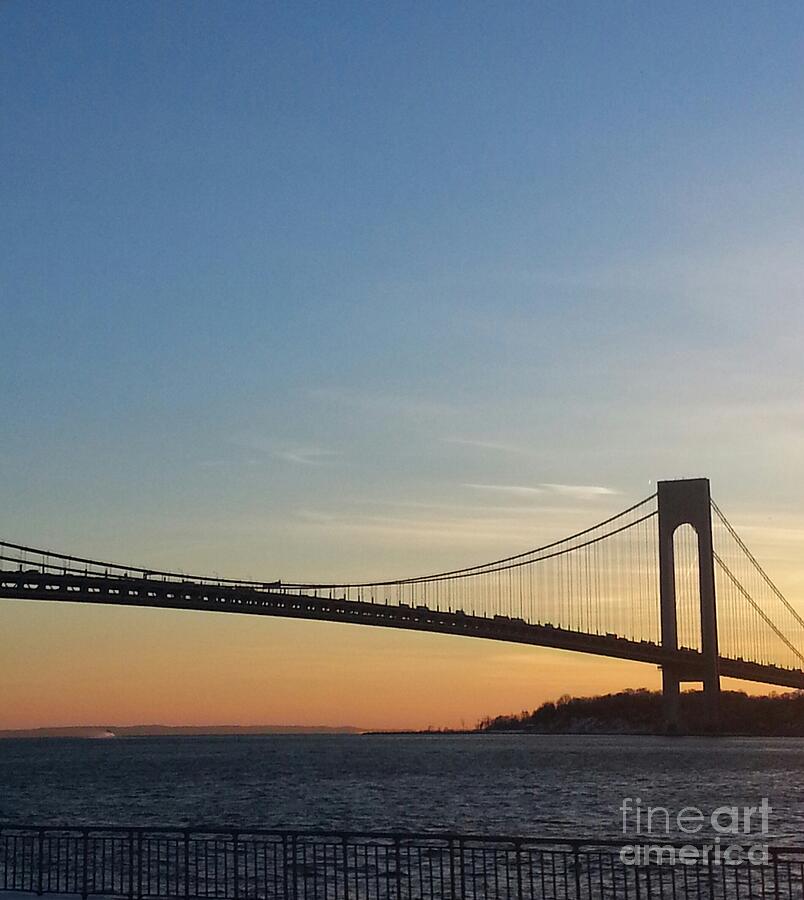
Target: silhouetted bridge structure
(667, 582)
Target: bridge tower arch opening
(688, 587)
(685, 512)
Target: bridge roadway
(275, 600)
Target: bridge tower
(687, 502)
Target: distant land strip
(124, 731)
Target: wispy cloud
(297, 453)
(500, 446)
(381, 403)
(519, 490)
(496, 534)
(581, 491)
(229, 463)
(400, 545)
(575, 491)
(713, 276)
(511, 508)
(305, 456)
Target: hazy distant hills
(118, 731)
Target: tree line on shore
(641, 712)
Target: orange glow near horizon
(68, 664)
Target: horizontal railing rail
(217, 863)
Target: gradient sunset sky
(337, 290)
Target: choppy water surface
(494, 784)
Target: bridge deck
(275, 601)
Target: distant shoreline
(122, 734)
(631, 713)
(112, 732)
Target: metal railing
(221, 864)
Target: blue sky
(275, 259)
(299, 290)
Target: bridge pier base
(711, 689)
(687, 502)
(671, 700)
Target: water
(569, 785)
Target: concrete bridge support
(687, 502)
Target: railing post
(775, 875)
(40, 862)
(131, 865)
(84, 880)
(285, 866)
(518, 851)
(236, 865)
(452, 868)
(294, 879)
(649, 880)
(398, 867)
(344, 847)
(139, 864)
(576, 864)
(186, 863)
(462, 866)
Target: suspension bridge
(668, 582)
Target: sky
(322, 291)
